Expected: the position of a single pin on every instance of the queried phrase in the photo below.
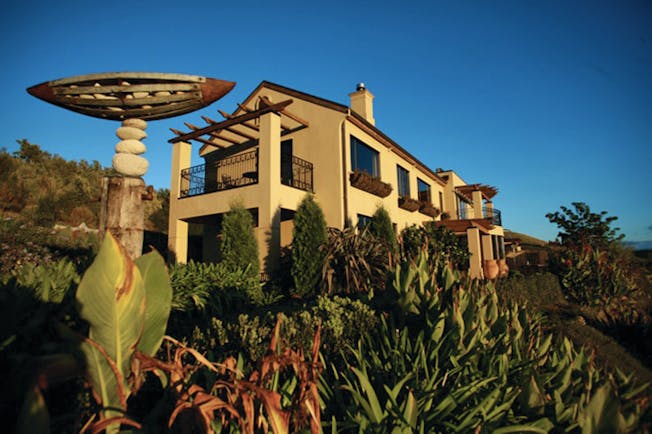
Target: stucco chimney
(362, 102)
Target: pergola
(239, 128)
(488, 192)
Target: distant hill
(639, 245)
(525, 239)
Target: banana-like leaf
(111, 298)
(158, 299)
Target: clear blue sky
(550, 101)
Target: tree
(381, 227)
(309, 235)
(238, 246)
(592, 265)
(581, 227)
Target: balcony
(239, 171)
(493, 215)
(296, 172)
(227, 173)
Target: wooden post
(123, 211)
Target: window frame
(402, 181)
(375, 169)
(421, 182)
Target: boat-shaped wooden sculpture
(128, 95)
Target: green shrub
(443, 244)
(238, 245)
(594, 277)
(309, 237)
(381, 227)
(593, 266)
(411, 241)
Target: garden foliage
(381, 227)
(238, 245)
(308, 239)
(593, 266)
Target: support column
(177, 228)
(488, 247)
(476, 197)
(269, 212)
(475, 261)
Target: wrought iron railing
(231, 172)
(299, 176)
(493, 215)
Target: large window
(424, 191)
(403, 181)
(364, 158)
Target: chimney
(362, 103)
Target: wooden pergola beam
(195, 128)
(229, 129)
(287, 113)
(198, 139)
(236, 120)
(246, 124)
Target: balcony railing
(493, 215)
(241, 170)
(298, 174)
(231, 172)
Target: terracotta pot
(491, 269)
(502, 267)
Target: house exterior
(282, 143)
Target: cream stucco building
(282, 143)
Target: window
(403, 181)
(424, 191)
(363, 221)
(441, 201)
(364, 158)
(286, 162)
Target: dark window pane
(363, 157)
(403, 182)
(424, 191)
(363, 221)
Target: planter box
(408, 204)
(370, 184)
(429, 210)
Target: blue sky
(549, 101)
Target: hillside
(525, 239)
(44, 189)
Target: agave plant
(451, 358)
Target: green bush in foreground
(308, 239)
(238, 245)
(381, 227)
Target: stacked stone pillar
(122, 208)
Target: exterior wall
(364, 203)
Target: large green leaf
(111, 298)
(158, 299)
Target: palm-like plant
(354, 262)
